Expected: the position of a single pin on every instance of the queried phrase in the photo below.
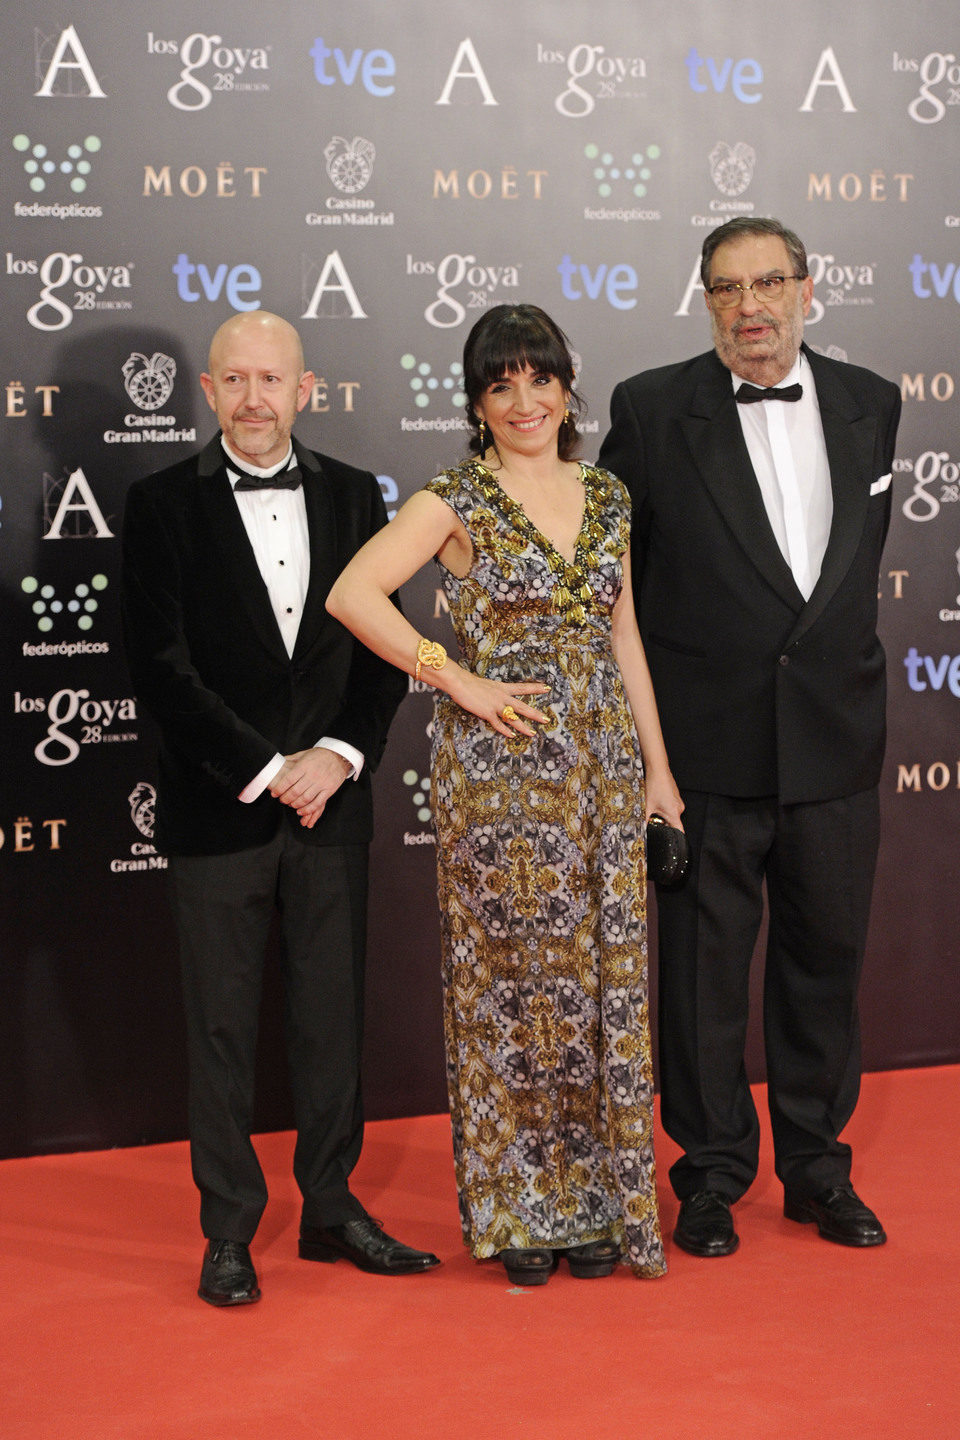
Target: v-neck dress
(540, 848)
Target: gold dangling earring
(483, 444)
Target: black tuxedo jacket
(760, 692)
(208, 661)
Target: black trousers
(223, 906)
(818, 862)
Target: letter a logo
(76, 500)
(69, 60)
(332, 292)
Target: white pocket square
(878, 486)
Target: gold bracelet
(431, 654)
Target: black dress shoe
(367, 1245)
(532, 1266)
(228, 1276)
(705, 1225)
(839, 1214)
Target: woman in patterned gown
(545, 735)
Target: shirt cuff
(350, 753)
(259, 783)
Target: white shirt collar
(256, 469)
(792, 376)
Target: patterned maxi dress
(540, 849)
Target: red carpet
(103, 1337)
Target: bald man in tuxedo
(271, 718)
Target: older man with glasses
(760, 479)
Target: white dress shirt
(276, 526)
(789, 457)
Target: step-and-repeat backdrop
(379, 175)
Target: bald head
(248, 327)
(256, 384)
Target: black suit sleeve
(622, 452)
(890, 447)
(194, 720)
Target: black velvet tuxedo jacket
(760, 692)
(208, 661)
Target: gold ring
(508, 713)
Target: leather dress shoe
(366, 1244)
(228, 1276)
(705, 1225)
(839, 1214)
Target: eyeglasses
(769, 287)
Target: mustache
(761, 319)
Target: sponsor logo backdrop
(380, 175)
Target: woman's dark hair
(507, 338)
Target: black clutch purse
(668, 853)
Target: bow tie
(750, 394)
(284, 480)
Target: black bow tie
(750, 394)
(285, 480)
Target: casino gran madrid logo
(142, 801)
(57, 171)
(149, 383)
(143, 805)
(950, 613)
(78, 611)
(731, 168)
(350, 163)
(349, 167)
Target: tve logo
(375, 68)
(742, 75)
(240, 281)
(614, 282)
(946, 668)
(943, 281)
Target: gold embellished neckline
(574, 594)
